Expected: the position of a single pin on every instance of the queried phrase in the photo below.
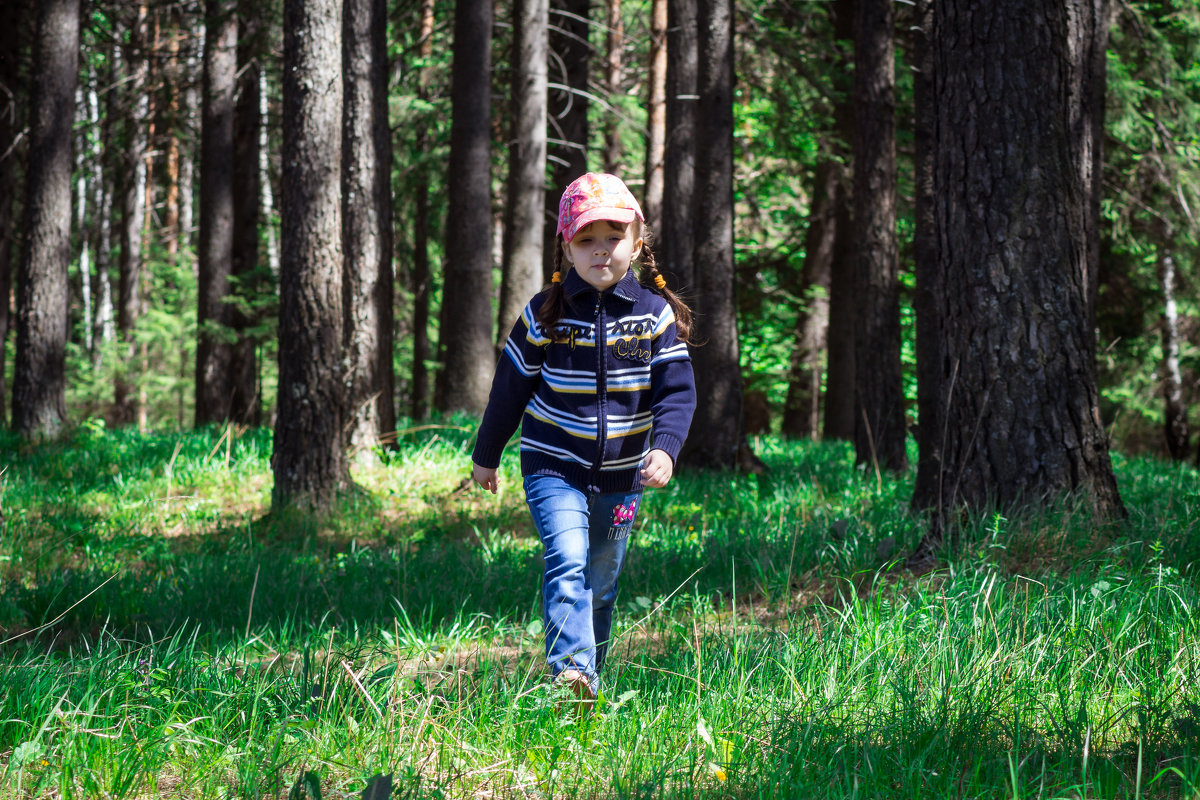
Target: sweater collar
(627, 288)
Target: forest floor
(163, 635)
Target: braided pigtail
(651, 278)
(556, 300)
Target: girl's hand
(487, 478)
(657, 469)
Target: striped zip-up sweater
(589, 413)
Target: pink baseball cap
(593, 196)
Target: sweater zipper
(601, 332)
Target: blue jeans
(585, 535)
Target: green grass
(167, 638)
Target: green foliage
(161, 635)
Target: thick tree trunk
(250, 279)
(717, 426)
(39, 379)
(10, 93)
(133, 216)
(801, 412)
(420, 276)
(310, 460)
(656, 116)
(367, 289)
(214, 351)
(927, 301)
(679, 162)
(567, 114)
(524, 206)
(1011, 212)
(880, 428)
(466, 325)
(614, 73)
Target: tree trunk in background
(187, 162)
(676, 253)
(525, 202)
(840, 413)
(10, 92)
(927, 300)
(656, 117)
(717, 426)
(214, 351)
(264, 176)
(465, 337)
(801, 412)
(1175, 428)
(250, 279)
(1011, 206)
(613, 75)
(83, 231)
(132, 176)
(39, 379)
(567, 113)
(420, 271)
(309, 461)
(103, 185)
(367, 287)
(880, 428)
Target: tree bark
(567, 113)
(39, 375)
(880, 428)
(656, 116)
(1175, 426)
(250, 279)
(679, 162)
(1011, 214)
(801, 412)
(524, 206)
(214, 351)
(367, 288)
(717, 426)
(309, 461)
(420, 275)
(466, 324)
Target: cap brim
(621, 215)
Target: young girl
(597, 373)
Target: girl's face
(602, 251)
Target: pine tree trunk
(420, 276)
(367, 289)
(679, 162)
(801, 412)
(11, 14)
(250, 278)
(717, 426)
(524, 206)
(1012, 210)
(567, 113)
(880, 429)
(656, 116)
(214, 352)
(613, 75)
(133, 217)
(104, 331)
(39, 379)
(466, 324)
(928, 297)
(309, 460)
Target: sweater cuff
(669, 444)
(487, 457)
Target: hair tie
(556, 277)
(660, 281)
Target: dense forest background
(178, 173)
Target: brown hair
(556, 302)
